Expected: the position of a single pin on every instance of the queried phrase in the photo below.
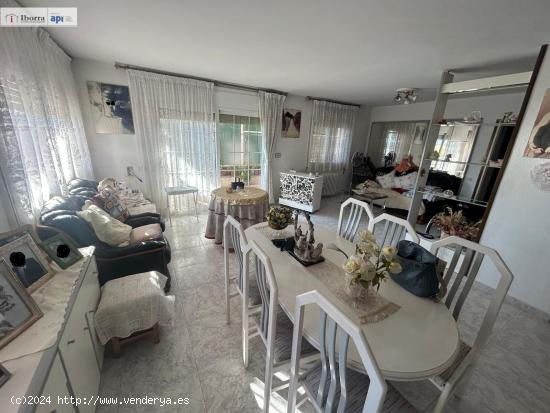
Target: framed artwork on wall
(26, 260)
(292, 119)
(18, 311)
(111, 108)
(538, 145)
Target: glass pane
(255, 160)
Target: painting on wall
(292, 119)
(111, 108)
(539, 141)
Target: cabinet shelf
(458, 123)
(454, 198)
(487, 165)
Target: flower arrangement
(279, 217)
(370, 264)
(455, 223)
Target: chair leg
(245, 335)
(268, 383)
(462, 385)
(443, 398)
(156, 334)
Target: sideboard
(301, 190)
(62, 373)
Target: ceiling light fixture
(406, 95)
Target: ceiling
(352, 50)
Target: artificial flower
(389, 252)
(395, 267)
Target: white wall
(111, 154)
(518, 226)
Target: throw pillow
(109, 230)
(112, 204)
(405, 181)
(387, 181)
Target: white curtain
(398, 137)
(175, 124)
(42, 140)
(330, 139)
(271, 115)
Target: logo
(38, 16)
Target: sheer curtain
(330, 141)
(271, 116)
(174, 120)
(42, 140)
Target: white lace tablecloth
(248, 211)
(133, 303)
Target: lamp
(406, 95)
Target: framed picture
(18, 311)
(26, 260)
(538, 145)
(61, 250)
(111, 108)
(292, 119)
(4, 375)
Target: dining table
(418, 341)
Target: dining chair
(467, 257)
(234, 236)
(329, 384)
(272, 324)
(395, 229)
(348, 229)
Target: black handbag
(422, 271)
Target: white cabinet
(301, 191)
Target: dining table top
(418, 341)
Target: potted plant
(455, 223)
(369, 266)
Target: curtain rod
(204, 79)
(333, 101)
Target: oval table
(248, 206)
(418, 341)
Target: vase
(278, 232)
(354, 290)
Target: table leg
(168, 206)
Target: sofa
(59, 215)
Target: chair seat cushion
(282, 349)
(357, 388)
(145, 233)
(133, 303)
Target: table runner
(370, 310)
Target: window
(390, 144)
(240, 148)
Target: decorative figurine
(304, 244)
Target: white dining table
(418, 341)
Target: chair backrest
(348, 229)
(335, 330)
(234, 236)
(395, 229)
(472, 255)
(267, 285)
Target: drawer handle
(71, 342)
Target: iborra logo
(11, 18)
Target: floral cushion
(108, 200)
(406, 181)
(387, 181)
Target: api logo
(56, 19)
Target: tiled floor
(200, 357)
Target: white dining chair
(348, 229)
(329, 384)
(468, 257)
(272, 324)
(395, 229)
(234, 236)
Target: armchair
(59, 215)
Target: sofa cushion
(109, 230)
(58, 203)
(145, 233)
(387, 181)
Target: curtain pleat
(174, 120)
(43, 141)
(271, 117)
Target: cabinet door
(88, 298)
(56, 386)
(80, 361)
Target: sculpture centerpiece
(305, 249)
